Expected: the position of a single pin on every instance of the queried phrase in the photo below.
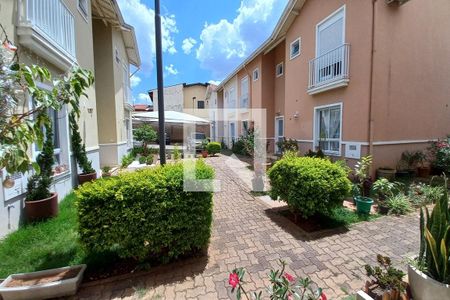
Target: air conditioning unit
(399, 2)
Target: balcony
(48, 29)
(330, 70)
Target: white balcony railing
(329, 70)
(48, 28)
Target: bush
(288, 145)
(146, 214)
(399, 205)
(142, 160)
(127, 160)
(309, 185)
(213, 148)
(239, 147)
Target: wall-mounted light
(296, 115)
(90, 110)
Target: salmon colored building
(353, 77)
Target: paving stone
(247, 233)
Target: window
(244, 92)
(231, 98)
(200, 104)
(245, 128)
(255, 74)
(117, 56)
(126, 86)
(328, 124)
(83, 7)
(295, 48)
(279, 69)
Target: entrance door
(279, 133)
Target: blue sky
(203, 40)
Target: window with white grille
(328, 123)
(244, 92)
(83, 6)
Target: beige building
(58, 34)
(187, 98)
(353, 77)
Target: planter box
(424, 287)
(363, 296)
(43, 287)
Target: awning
(170, 117)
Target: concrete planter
(424, 288)
(50, 289)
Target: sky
(202, 40)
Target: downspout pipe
(371, 96)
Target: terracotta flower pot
(42, 209)
(83, 178)
(204, 153)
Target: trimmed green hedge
(309, 185)
(146, 214)
(213, 148)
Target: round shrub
(145, 214)
(213, 148)
(309, 185)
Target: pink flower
(289, 277)
(233, 280)
(290, 297)
(323, 296)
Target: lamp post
(159, 74)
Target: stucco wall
(412, 71)
(173, 98)
(199, 92)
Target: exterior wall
(173, 98)
(199, 92)
(230, 102)
(11, 211)
(411, 71)
(354, 97)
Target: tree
(78, 146)
(19, 126)
(145, 134)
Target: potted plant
(204, 149)
(407, 164)
(363, 186)
(45, 284)
(384, 189)
(386, 282)
(422, 170)
(40, 202)
(429, 274)
(79, 152)
(386, 172)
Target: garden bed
(340, 217)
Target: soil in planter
(43, 279)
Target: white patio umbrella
(170, 117)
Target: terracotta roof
(143, 107)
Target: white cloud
(143, 98)
(135, 81)
(215, 82)
(225, 44)
(188, 44)
(142, 18)
(171, 69)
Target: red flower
(290, 297)
(323, 296)
(289, 277)
(233, 280)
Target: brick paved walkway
(247, 233)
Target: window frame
(247, 94)
(299, 40)
(201, 101)
(84, 12)
(316, 127)
(255, 71)
(277, 74)
(335, 14)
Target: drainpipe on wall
(371, 120)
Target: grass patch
(343, 217)
(48, 244)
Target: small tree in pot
(79, 152)
(40, 202)
(363, 185)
